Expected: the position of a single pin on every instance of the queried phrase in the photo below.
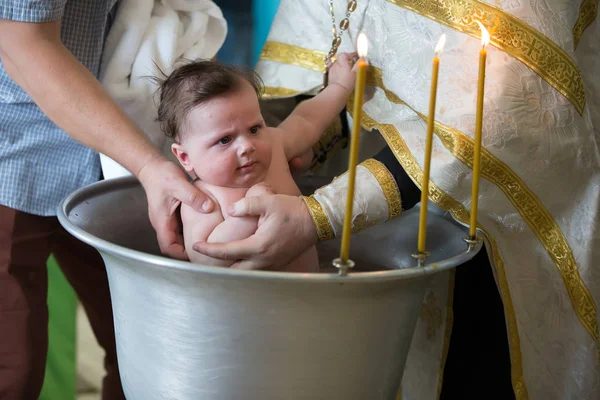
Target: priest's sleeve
(382, 190)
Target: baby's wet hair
(193, 83)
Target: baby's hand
(342, 73)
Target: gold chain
(337, 35)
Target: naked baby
(212, 112)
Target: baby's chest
(226, 197)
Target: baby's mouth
(248, 166)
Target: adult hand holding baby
(285, 230)
(166, 187)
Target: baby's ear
(182, 156)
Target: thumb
(194, 197)
(248, 206)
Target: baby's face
(225, 141)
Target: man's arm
(36, 59)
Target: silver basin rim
(163, 262)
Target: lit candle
(485, 39)
(428, 145)
(361, 77)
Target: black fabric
(478, 362)
(409, 192)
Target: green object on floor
(61, 367)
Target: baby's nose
(246, 147)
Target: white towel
(146, 36)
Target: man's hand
(285, 230)
(167, 187)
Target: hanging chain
(337, 36)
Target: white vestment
(540, 187)
(147, 37)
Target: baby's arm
(200, 227)
(237, 228)
(197, 227)
(305, 125)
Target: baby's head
(212, 113)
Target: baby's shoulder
(207, 190)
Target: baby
(212, 112)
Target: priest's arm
(383, 190)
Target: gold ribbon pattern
(588, 11)
(324, 229)
(388, 185)
(510, 35)
(294, 55)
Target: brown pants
(26, 242)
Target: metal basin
(188, 331)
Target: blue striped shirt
(39, 163)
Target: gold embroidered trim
(324, 229)
(388, 185)
(460, 213)
(510, 35)
(294, 55)
(448, 330)
(270, 92)
(525, 201)
(588, 11)
(537, 217)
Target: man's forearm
(385, 188)
(69, 94)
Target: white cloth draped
(147, 37)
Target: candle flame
(362, 45)
(440, 44)
(485, 35)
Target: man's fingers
(176, 250)
(170, 243)
(236, 250)
(169, 238)
(248, 206)
(193, 197)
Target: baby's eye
(225, 140)
(254, 129)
